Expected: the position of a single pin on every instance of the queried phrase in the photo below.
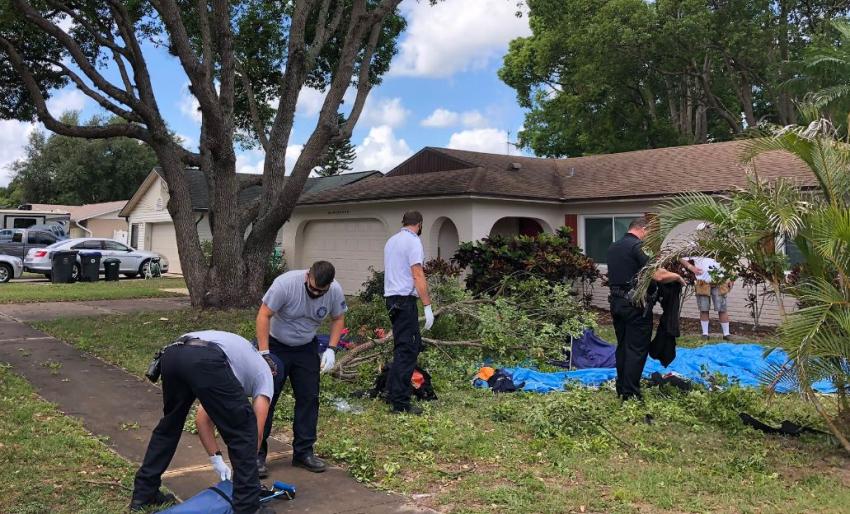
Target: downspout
(77, 223)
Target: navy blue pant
(633, 326)
(190, 372)
(404, 316)
(300, 364)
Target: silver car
(133, 262)
(10, 267)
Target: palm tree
(745, 229)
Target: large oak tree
(246, 62)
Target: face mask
(313, 294)
(419, 231)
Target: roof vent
(516, 166)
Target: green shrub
(373, 287)
(552, 257)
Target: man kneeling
(221, 370)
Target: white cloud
(487, 140)
(13, 139)
(68, 100)
(252, 161)
(456, 35)
(309, 102)
(473, 119)
(381, 150)
(189, 105)
(384, 111)
(442, 118)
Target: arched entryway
(518, 226)
(447, 239)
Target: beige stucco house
(465, 196)
(94, 219)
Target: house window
(795, 256)
(134, 235)
(600, 232)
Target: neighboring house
(150, 224)
(466, 196)
(94, 219)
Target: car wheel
(75, 274)
(131, 275)
(5, 273)
(144, 267)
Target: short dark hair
(323, 273)
(639, 223)
(411, 218)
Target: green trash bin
(111, 269)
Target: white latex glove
(429, 318)
(328, 360)
(220, 467)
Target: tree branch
(116, 130)
(108, 42)
(94, 95)
(364, 85)
(77, 53)
(259, 128)
(206, 38)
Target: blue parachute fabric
(206, 502)
(740, 363)
(591, 351)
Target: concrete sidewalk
(124, 410)
(44, 311)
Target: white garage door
(350, 245)
(164, 241)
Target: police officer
(292, 310)
(632, 322)
(221, 370)
(404, 284)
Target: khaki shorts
(719, 300)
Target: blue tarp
(591, 351)
(741, 363)
(206, 502)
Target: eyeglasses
(315, 290)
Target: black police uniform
(404, 315)
(200, 369)
(301, 365)
(632, 324)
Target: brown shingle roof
(83, 212)
(707, 168)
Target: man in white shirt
(708, 292)
(404, 285)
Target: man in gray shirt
(293, 308)
(221, 370)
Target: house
(93, 220)
(150, 224)
(466, 196)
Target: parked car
(133, 262)
(17, 242)
(10, 267)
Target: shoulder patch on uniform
(343, 305)
(322, 311)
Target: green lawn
(50, 463)
(476, 452)
(30, 292)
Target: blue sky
(442, 90)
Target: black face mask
(313, 294)
(419, 231)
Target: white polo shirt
(402, 251)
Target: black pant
(407, 345)
(633, 327)
(190, 372)
(301, 366)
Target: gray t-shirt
(296, 315)
(247, 364)
(402, 251)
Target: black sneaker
(262, 470)
(158, 500)
(310, 463)
(705, 337)
(412, 409)
(727, 338)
